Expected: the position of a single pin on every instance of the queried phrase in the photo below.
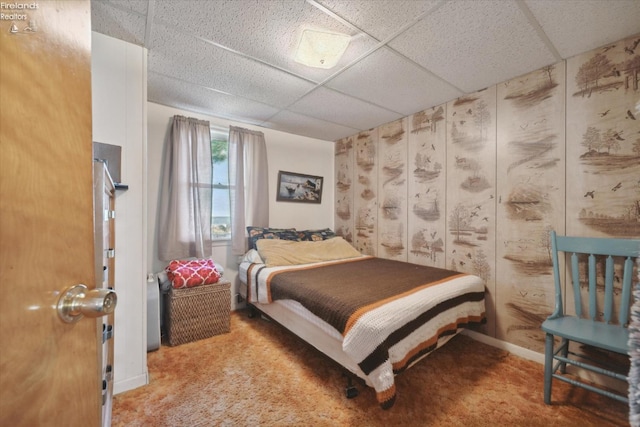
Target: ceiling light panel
(188, 58)
(321, 49)
(267, 30)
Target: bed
(375, 317)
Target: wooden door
(48, 368)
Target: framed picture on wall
(297, 187)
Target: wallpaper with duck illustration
(344, 176)
(427, 187)
(392, 190)
(476, 184)
(603, 141)
(531, 198)
(366, 192)
(471, 189)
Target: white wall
(285, 151)
(119, 92)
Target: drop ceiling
(234, 59)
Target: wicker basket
(197, 313)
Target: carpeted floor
(261, 375)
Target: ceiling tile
(118, 23)
(266, 30)
(379, 19)
(390, 80)
(334, 107)
(475, 44)
(188, 58)
(233, 58)
(138, 6)
(577, 26)
(168, 91)
(299, 124)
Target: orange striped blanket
(390, 313)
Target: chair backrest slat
(608, 289)
(592, 287)
(605, 258)
(575, 275)
(623, 315)
(559, 306)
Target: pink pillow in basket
(187, 274)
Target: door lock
(78, 301)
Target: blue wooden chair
(598, 327)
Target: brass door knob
(78, 301)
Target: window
(220, 204)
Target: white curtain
(184, 224)
(249, 181)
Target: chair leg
(548, 367)
(564, 353)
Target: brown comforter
(336, 293)
(390, 313)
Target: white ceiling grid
(234, 58)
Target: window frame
(220, 133)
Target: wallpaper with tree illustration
(603, 141)
(603, 147)
(344, 175)
(531, 195)
(471, 189)
(365, 192)
(392, 190)
(427, 186)
(556, 148)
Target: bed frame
(286, 314)
(330, 346)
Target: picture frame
(298, 187)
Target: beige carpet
(261, 375)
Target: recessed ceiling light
(321, 49)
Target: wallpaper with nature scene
(476, 184)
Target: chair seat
(598, 334)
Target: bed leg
(252, 312)
(351, 391)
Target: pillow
(190, 273)
(315, 235)
(219, 269)
(257, 233)
(283, 252)
(163, 281)
(252, 256)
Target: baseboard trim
(525, 353)
(131, 383)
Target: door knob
(78, 301)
